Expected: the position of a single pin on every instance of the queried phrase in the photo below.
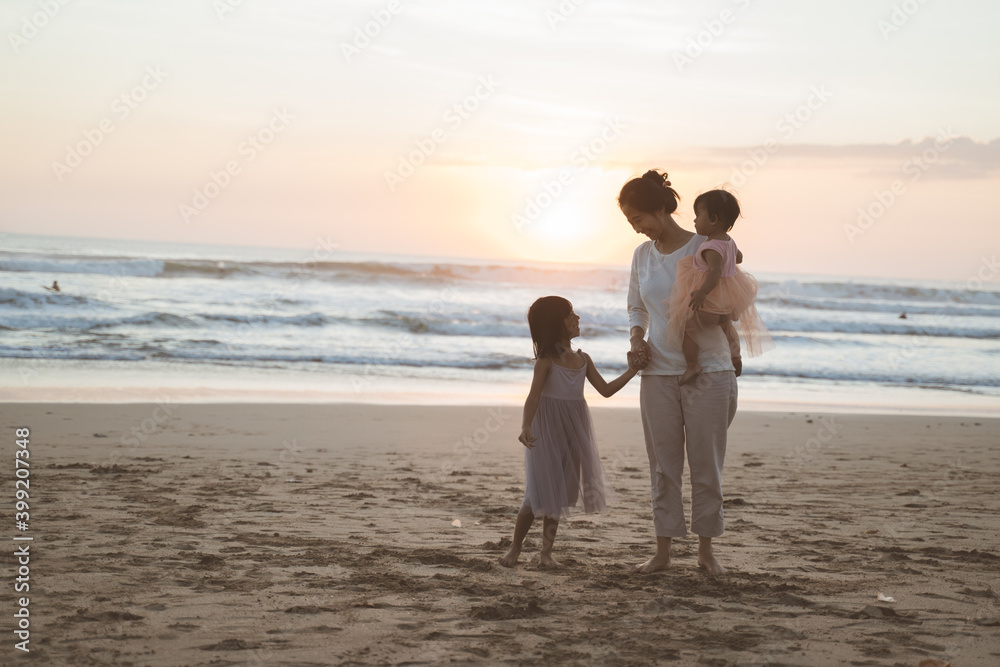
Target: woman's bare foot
(690, 373)
(660, 560)
(509, 559)
(711, 566)
(547, 562)
(706, 558)
(654, 564)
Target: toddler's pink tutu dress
(734, 295)
(563, 470)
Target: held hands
(634, 364)
(526, 438)
(697, 299)
(640, 356)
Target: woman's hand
(641, 353)
(526, 438)
(634, 363)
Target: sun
(564, 223)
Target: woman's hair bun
(657, 177)
(649, 193)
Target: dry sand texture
(186, 544)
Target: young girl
(561, 462)
(711, 285)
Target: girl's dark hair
(547, 323)
(719, 205)
(649, 194)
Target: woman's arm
(714, 261)
(542, 368)
(604, 388)
(638, 316)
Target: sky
(861, 137)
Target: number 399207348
(22, 472)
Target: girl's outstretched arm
(604, 388)
(714, 261)
(542, 368)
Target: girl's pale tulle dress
(563, 470)
(734, 295)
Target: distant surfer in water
(54, 288)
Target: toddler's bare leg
(690, 348)
(549, 527)
(521, 526)
(734, 342)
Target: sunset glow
(437, 128)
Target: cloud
(952, 156)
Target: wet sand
(323, 534)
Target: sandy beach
(192, 534)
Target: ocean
(137, 320)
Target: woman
(701, 410)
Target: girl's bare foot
(509, 559)
(654, 564)
(690, 374)
(547, 562)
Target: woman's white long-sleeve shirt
(649, 287)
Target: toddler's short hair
(719, 205)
